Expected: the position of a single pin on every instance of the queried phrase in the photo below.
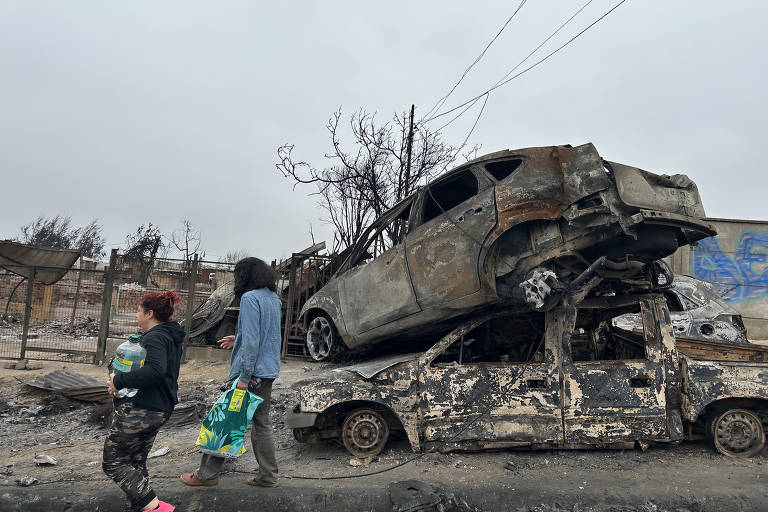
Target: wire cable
(537, 63)
(442, 100)
(545, 41)
(477, 119)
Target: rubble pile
(82, 327)
(9, 320)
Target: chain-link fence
(71, 319)
(59, 321)
(132, 280)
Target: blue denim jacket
(256, 352)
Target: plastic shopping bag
(223, 431)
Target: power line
(458, 115)
(546, 57)
(442, 100)
(553, 34)
(545, 41)
(477, 119)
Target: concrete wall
(736, 263)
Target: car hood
(370, 368)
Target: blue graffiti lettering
(741, 277)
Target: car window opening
(443, 196)
(501, 170)
(673, 302)
(597, 337)
(515, 339)
(384, 238)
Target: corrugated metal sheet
(73, 385)
(19, 258)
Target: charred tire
(736, 432)
(322, 338)
(365, 432)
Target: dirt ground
(689, 477)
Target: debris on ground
(74, 385)
(363, 461)
(26, 481)
(24, 364)
(413, 495)
(159, 452)
(44, 460)
(186, 413)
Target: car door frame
(432, 246)
(516, 405)
(613, 402)
(362, 309)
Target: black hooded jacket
(157, 379)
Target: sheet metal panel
(20, 259)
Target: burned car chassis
(467, 241)
(572, 379)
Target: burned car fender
(706, 383)
(319, 399)
(326, 301)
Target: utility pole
(410, 147)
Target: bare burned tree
(233, 256)
(372, 176)
(142, 248)
(186, 240)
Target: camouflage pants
(128, 443)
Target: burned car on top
(562, 379)
(539, 217)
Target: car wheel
(364, 433)
(737, 433)
(322, 338)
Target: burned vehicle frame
(539, 217)
(698, 313)
(568, 378)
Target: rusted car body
(566, 378)
(698, 313)
(467, 241)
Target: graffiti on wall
(741, 276)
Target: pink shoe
(164, 507)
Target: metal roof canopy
(51, 264)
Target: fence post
(27, 313)
(106, 308)
(287, 321)
(190, 298)
(77, 295)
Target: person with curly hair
(136, 419)
(255, 363)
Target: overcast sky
(132, 112)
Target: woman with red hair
(137, 419)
